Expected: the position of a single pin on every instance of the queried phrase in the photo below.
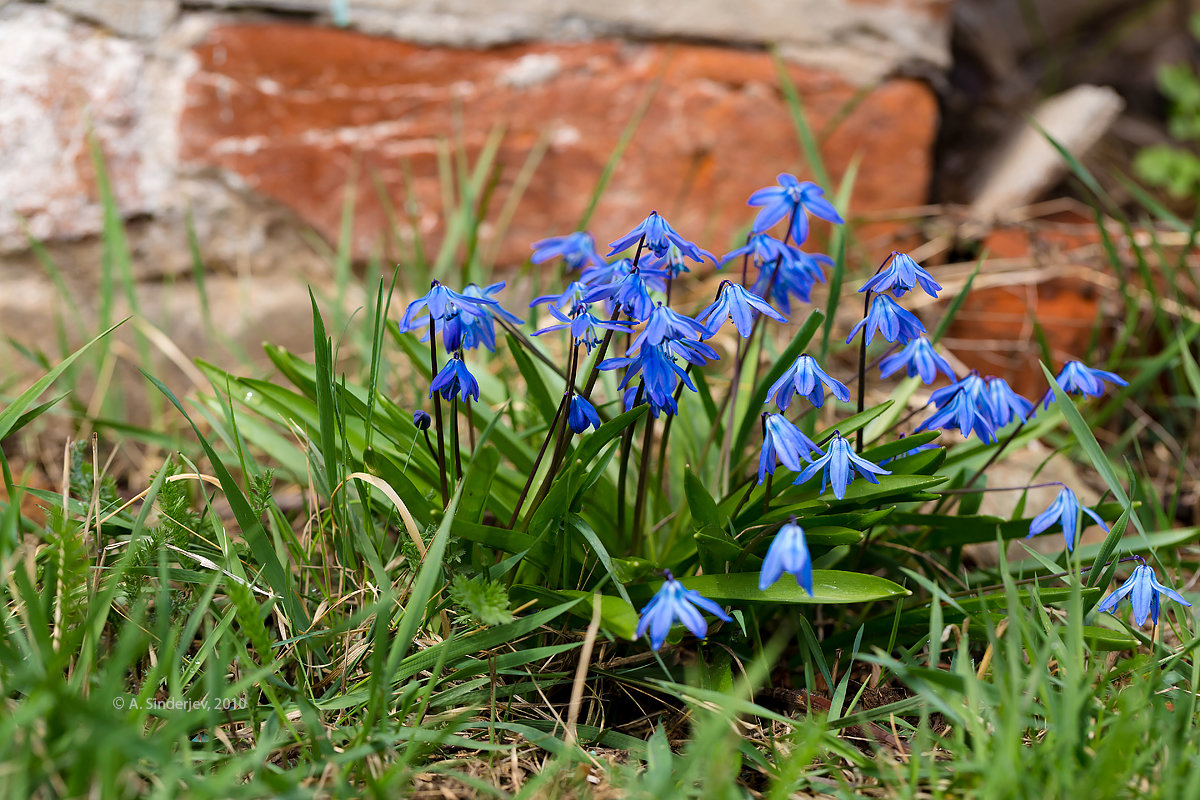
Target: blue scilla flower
(439, 303)
(671, 263)
(1065, 510)
(763, 247)
(577, 250)
(581, 414)
(691, 350)
(480, 329)
(660, 236)
(917, 358)
(901, 275)
(1143, 590)
(794, 277)
(1007, 405)
(964, 405)
(422, 420)
(784, 443)
(739, 304)
(566, 300)
(887, 318)
(660, 374)
(805, 377)
(838, 465)
(794, 197)
(455, 378)
(662, 323)
(1077, 378)
(585, 327)
(787, 553)
(631, 293)
(674, 601)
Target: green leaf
(829, 586)
(703, 507)
(616, 615)
(485, 600)
(534, 384)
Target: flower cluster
(625, 296)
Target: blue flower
(659, 238)
(736, 303)
(1064, 510)
(917, 358)
(784, 442)
(787, 553)
(794, 197)
(663, 324)
(582, 414)
(1143, 590)
(838, 466)
(585, 326)
(421, 419)
(1007, 405)
(569, 298)
(660, 374)
(805, 377)
(479, 329)
(690, 350)
(791, 277)
(964, 405)
(764, 247)
(671, 263)
(631, 292)
(674, 601)
(455, 378)
(577, 250)
(1076, 378)
(440, 303)
(888, 318)
(901, 275)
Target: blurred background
(249, 148)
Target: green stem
(437, 413)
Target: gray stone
(143, 19)
(862, 41)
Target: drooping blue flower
(792, 197)
(784, 443)
(838, 465)
(791, 277)
(582, 414)
(737, 303)
(764, 248)
(659, 238)
(631, 292)
(480, 329)
(585, 326)
(886, 317)
(901, 275)
(439, 303)
(674, 601)
(1077, 378)
(663, 324)
(565, 301)
(964, 405)
(1065, 510)
(917, 358)
(1007, 405)
(577, 250)
(691, 350)
(806, 378)
(671, 263)
(660, 374)
(1142, 588)
(787, 553)
(455, 378)
(421, 419)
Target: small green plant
(1177, 168)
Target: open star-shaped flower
(795, 198)
(675, 601)
(1077, 378)
(838, 466)
(1143, 590)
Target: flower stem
(862, 371)
(639, 507)
(623, 470)
(560, 446)
(537, 462)
(437, 413)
